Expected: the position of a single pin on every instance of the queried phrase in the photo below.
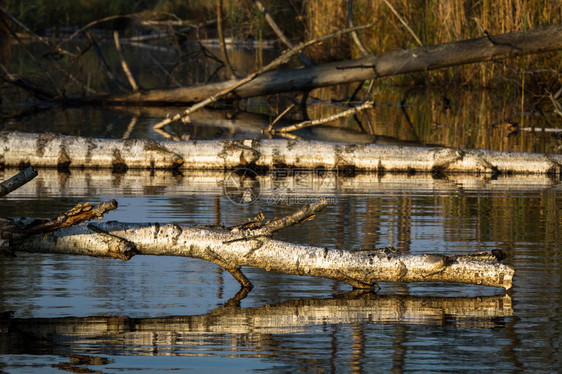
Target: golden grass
(436, 21)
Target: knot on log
(436, 263)
(245, 151)
(117, 247)
(64, 160)
(556, 165)
(171, 159)
(483, 162)
(118, 164)
(444, 157)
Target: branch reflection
(254, 328)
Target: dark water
(153, 314)
(159, 314)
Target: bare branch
(104, 63)
(277, 30)
(278, 118)
(309, 123)
(220, 35)
(354, 35)
(403, 21)
(17, 181)
(124, 64)
(284, 58)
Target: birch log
(251, 245)
(49, 150)
(424, 58)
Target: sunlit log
(251, 244)
(50, 150)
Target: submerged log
(58, 151)
(438, 56)
(251, 245)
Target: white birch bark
(240, 247)
(49, 150)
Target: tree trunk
(438, 56)
(49, 150)
(251, 245)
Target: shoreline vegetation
(398, 25)
(526, 88)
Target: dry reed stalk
(437, 22)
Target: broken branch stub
(14, 231)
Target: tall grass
(433, 21)
(438, 21)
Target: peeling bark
(49, 150)
(252, 245)
(13, 231)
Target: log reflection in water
(304, 182)
(180, 335)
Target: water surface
(152, 314)
(158, 313)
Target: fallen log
(425, 58)
(58, 151)
(251, 244)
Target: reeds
(438, 21)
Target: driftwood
(14, 231)
(438, 56)
(251, 244)
(49, 150)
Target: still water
(156, 314)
